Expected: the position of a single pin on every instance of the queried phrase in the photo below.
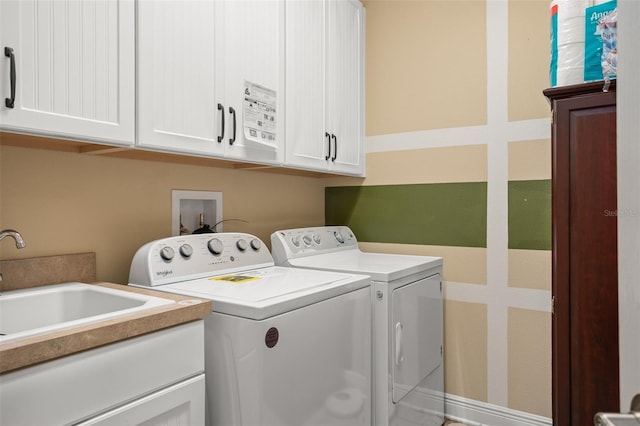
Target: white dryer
(408, 372)
(283, 346)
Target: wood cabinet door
(69, 67)
(585, 284)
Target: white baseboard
(477, 413)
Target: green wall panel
(530, 215)
(448, 214)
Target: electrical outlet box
(187, 206)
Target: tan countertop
(37, 349)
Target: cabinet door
(254, 80)
(416, 321)
(179, 404)
(325, 86)
(179, 94)
(306, 145)
(74, 68)
(345, 86)
(584, 273)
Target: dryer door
(416, 330)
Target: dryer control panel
(187, 257)
(300, 242)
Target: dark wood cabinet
(585, 263)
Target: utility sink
(35, 311)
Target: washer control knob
(167, 253)
(317, 238)
(256, 244)
(307, 240)
(295, 240)
(241, 245)
(339, 237)
(215, 246)
(186, 250)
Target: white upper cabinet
(211, 78)
(178, 92)
(68, 68)
(325, 86)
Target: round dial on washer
(242, 245)
(256, 244)
(167, 253)
(339, 237)
(215, 246)
(307, 240)
(295, 240)
(317, 238)
(186, 250)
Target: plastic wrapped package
(608, 28)
(567, 41)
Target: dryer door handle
(399, 351)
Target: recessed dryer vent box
(189, 205)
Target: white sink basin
(30, 312)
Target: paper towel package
(583, 42)
(599, 40)
(567, 41)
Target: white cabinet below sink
(153, 378)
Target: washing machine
(283, 346)
(408, 369)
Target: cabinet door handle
(233, 114)
(221, 108)
(328, 136)
(335, 147)
(8, 52)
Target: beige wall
(454, 94)
(452, 89)
(68, 203)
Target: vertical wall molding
(628, 152)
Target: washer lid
(265, 292)
(380, 266)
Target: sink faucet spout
(15, 235)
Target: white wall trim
(477, 413)
(628, 202)
(459, 136)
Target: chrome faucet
(15, 235)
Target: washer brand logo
(164, 273)
(271, 338)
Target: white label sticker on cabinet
(260, 116)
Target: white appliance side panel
(182, 404)
(318, 372)
(416, 333)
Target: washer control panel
(186, 257)
(302, 242)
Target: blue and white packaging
(600, 41)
